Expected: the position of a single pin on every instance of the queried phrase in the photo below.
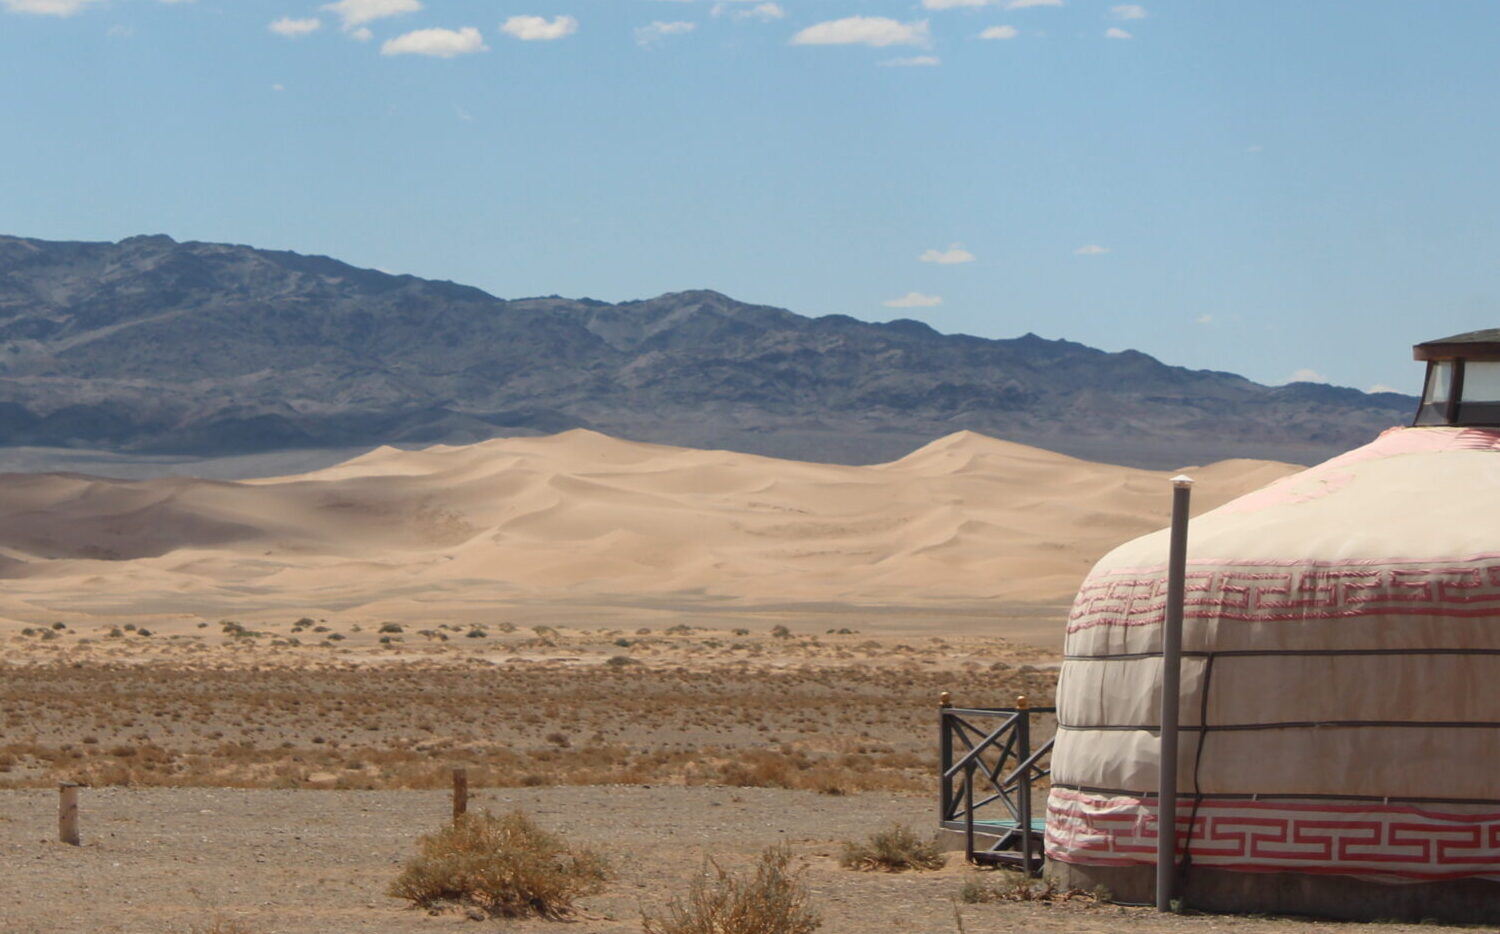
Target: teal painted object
(1038, 825)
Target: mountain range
(151, 346)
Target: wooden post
(460, 792)
(67, 813)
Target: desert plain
(672, 655)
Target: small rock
(474, 914)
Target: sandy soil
(160, 861)
(705, 718)
(708, 744)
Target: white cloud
(743, 9)
(657, 31)
(1091, 249)
(765, 12)
(363, 34)
(916, 61)
(976, 4)
(1382, 387)
(1205, 319)
(437, 43)
(538, 28)
(954, 254)
(358, 12)
(278, 87)
(913, 300)
(878, 31)
(47, 7)
(1127, 11)
(1000, 32)
(1306, 375)
(1115, 32)
(1255, 148)
(286, 26)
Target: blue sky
(1265, 188)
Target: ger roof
(1484, 343)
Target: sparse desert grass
(506, 866)
(773, 900)
(224, 926)
(369, 767)
(836, 716)
(895, 849)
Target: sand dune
(581, 518)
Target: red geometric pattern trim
(1402, 841)
(1268, 594)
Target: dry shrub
(773, 901)
(505, 866)
(895, 849)
(795, 769)
(763, 768)
(223, 926)
(1018, 888)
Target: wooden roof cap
(1474, 344)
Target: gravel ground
(172, 861)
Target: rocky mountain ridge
(150, 345)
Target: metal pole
(945, 759)
(1023, 728)
(969, 812)
(1171, 692)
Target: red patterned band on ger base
(1385, 842)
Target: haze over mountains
(154, 346)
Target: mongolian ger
(1340, 683)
